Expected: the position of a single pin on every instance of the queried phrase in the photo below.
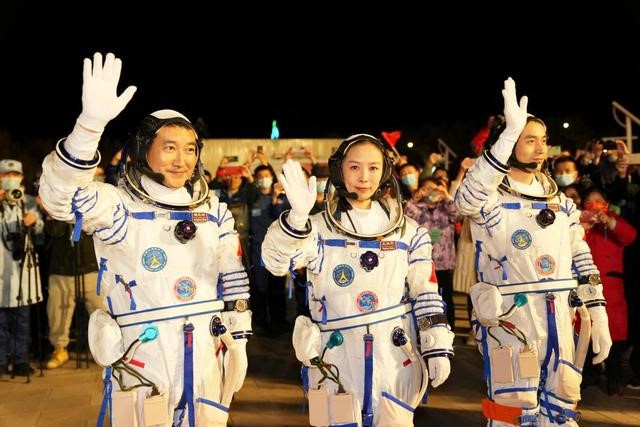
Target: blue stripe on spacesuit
(117, 230)
(187, 390)
(481, 224)
(473, 195)
(177, 216)
(102, 269)
(367, 401)
(516, 390)
(434, 309)
(486, 362)
(397, 401)
(114, 221)
(234, 293)
(292, 272)
(476, 261)
(212, 403)
(232, 272)
(235, 280)
(106, 399)
(79, 203)
(415, 245)
(110, 305)
(420, 260)
(366, 244)
(120, 239)
(232, 233)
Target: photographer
(19, 219)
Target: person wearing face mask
(607, 234)
(269, 301)
(535, 271)
(169, 267)
(376, 317)
(566, 172)
(408, 174)
(20, 221)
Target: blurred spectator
(607, 234)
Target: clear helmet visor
(389, 199)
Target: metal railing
(629, 117)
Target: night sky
(322, 74)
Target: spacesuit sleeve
(283, 253)
(69, 194)
(233, 279)
(477, 195)
(580, 252)
(423, 290)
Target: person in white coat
(534, 271)
(371, 290)
(169, 263)
(20, 287)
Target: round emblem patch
(184, 289)
(154, 259)
(545, 265)
(521, 239)
(367, 301)
(343, 275)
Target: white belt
(169, 312)
(538, 287)
(365, 319)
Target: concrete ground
(272, 395)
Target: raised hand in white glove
(439, 370)
(300, 193)
(600, 335)
(516, 118)
(100, 101)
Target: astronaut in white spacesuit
(534, 271)
(173, 341)
(370, 287)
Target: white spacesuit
(169, 268)
(529, 253)
(370, 282)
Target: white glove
(439, 370)
(100, 104)
(487, 303)
(306, 339)
(300, 193)
(241, 366)
(100, 101)
(105, 338)
(516, 119)
(600, 335)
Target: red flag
(392, 137)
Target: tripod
(30, 260)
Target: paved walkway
(272, 395)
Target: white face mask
(11, 182)
(265, 182)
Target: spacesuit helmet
(387, 193)
(138, 147)
(497, 127)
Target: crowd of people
(178, 268)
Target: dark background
(428, 71)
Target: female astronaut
(376, 314)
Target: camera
(609, 146)
(13, 196)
